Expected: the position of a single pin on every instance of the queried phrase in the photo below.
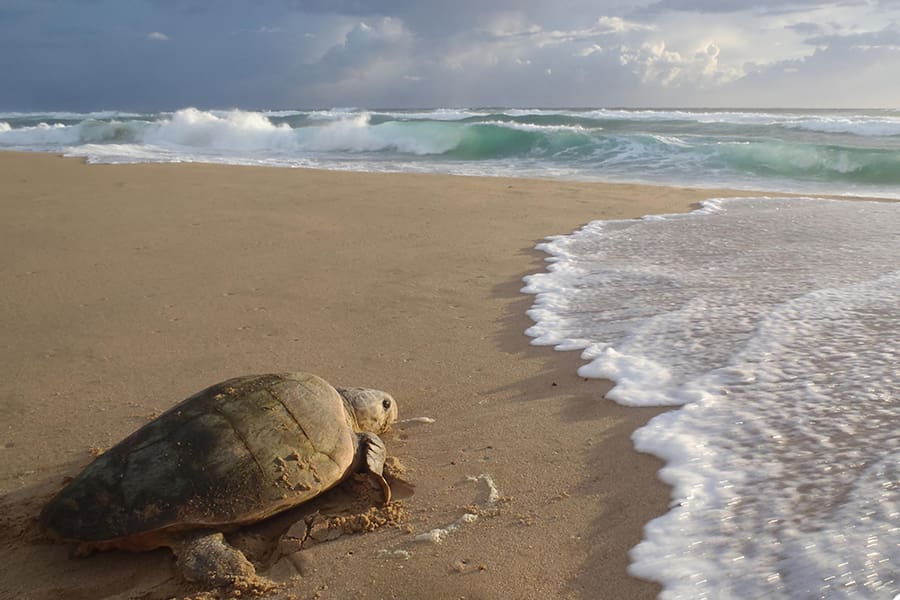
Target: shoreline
(131, 287)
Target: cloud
(313, 53)
(620, 25)
(540, 37)
(366, 42)
(674, 57)
(854, 70)
(373, 58)
(655, 63)
(886, 38)
(807, 29)
(729, 6)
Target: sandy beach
(128, 288)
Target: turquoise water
(815, 151)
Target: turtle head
(374, 410)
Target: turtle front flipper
(375, 455)
(207, 558)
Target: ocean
(769, 324)
(816, 152)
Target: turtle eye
(386, 403)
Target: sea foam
(234, 130)
(774, 322)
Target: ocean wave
(669, 140)
(282, 113)
(813, 162)
(439, 114)
(231, 130)
(43, 136)
(858, 124)
(334, 114)
(358, 135)
(813, 151)
(864, 126)
(69, 116)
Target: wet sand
(128, 288)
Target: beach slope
(128, 288)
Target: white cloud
(675, 57)
(509, 25)
(619, 25)
(157, 36)
(655, 63)
(510, 39)
(373, 58)
(839, 75)
(513, 27)
(587, 51)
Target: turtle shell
(234, 453)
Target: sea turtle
(233, 454)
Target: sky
(266, 54)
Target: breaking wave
(837, 152)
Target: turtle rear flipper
(375, 455)
(208, 558)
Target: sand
(128, 288)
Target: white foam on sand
(773, 321)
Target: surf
(771, 323)
(834, 152)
